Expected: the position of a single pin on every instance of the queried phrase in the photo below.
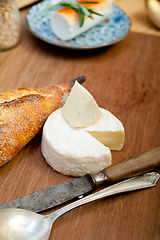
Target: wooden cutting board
(123, 78)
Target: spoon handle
(144, 181)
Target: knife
(78, 187)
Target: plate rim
(60, 44)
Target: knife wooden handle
(137, 165)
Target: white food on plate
(65, 23)
(80, 108)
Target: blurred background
(140, 16)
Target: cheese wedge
(72, 151)
(108, 130)
(80, 108)
(65, 23)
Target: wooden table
(123, 78)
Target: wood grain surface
(123, 78)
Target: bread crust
(23, 113)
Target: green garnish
(78, 7)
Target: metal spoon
(18, 224)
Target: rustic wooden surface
(125, 79)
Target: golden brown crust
(23, 113)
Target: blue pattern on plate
(101, 35)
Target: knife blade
(78, 187)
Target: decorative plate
(104, 34)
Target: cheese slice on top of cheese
(72, 151)
(80, 108)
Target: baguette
(23, 113)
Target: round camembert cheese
(72, 151)
(78, 151)
(77, 138)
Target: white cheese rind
(67, 27)
(108, 130)
(80, 108)
(72, 151)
